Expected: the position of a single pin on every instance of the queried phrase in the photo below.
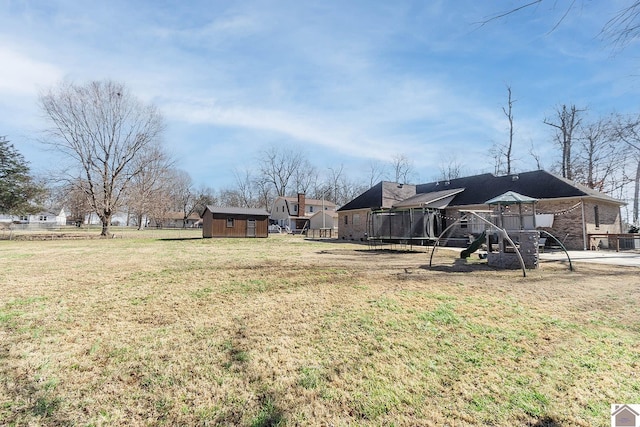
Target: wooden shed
(235, 222)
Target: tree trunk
(106, 224)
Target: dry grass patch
(282, 331)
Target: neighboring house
(117, 219)
(44, 219)
(175, 220)
(294, 213)
(327, 219)
(567, 210)
(7, 219)
(234, 222)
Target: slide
(466, 253)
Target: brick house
(353, 217)
(572, 211)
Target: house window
(346, 220)
(596, 215)
(229, 222)
(44, 217)
(295, 208)
(24, 218)
(310, 209)
(356, 219)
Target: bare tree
(496, 152)
(73, 198)
(186, 198)
(402, 168)
(348, 190)
(566, 122)
(335, 181)
(509, 146)
(376, 172)
(182, 194)
(450, 169)
(163, 202)
(502, 153)
(153, 164)
(230, 197)
(305, 177)
(103, 129)
(600, 156)
(533, 153)
(205, 196)
(277, 166)
(244, 191)
(264, 193)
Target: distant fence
(31, 226)
(321, 233)
(92, 231)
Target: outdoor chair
(541, 242)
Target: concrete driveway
(627, 258)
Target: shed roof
(236, 211)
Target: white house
(42, 219)
(117, 219)
(324, 220)
(294, 213)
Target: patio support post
(584, 227)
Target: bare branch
(501, 15)
(624, 27)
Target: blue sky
(347, 82)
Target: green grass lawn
(164, 328)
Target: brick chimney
(301, 204)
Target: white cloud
(22, 75)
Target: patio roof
(511, 198)
(433, 200)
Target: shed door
(251, 228)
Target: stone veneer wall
(528, 242)
(353, 230)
